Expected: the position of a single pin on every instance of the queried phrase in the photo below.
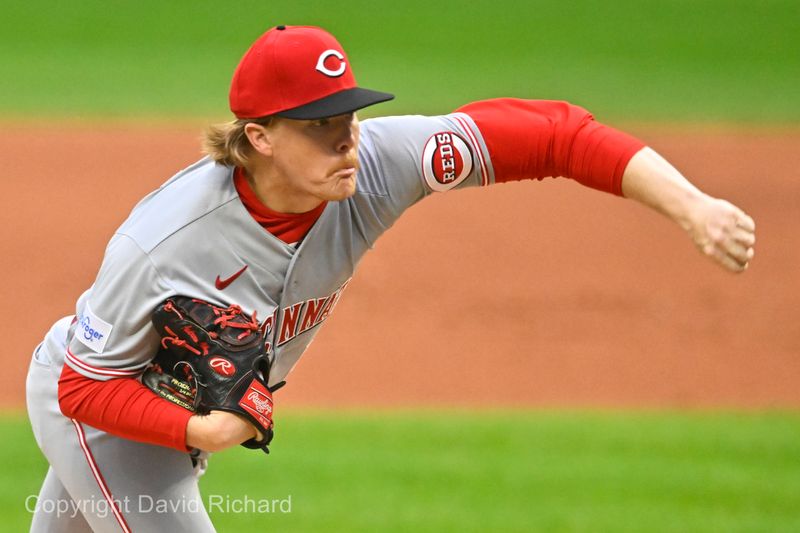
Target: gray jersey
(193, 236)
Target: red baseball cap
(298, 72)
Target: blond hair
(227, 143)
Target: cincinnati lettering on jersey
(303, 316)
(266, 330)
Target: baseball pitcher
(214, 286)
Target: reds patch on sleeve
(92, 331)
(446, 161)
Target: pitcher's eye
(320, 122)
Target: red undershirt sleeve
(535, 139)
(123, 407)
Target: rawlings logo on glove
(212, 358)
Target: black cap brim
(339, 103)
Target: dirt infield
(544, 294)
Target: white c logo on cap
(328, 72)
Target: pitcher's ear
(260, 137)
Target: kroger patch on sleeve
(92, 331)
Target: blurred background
(668, 61)
(529, 357)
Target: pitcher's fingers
(745, 222)
(743, 236)
(740, 253)
(728, 261)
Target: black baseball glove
(212, 358)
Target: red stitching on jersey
(98, 476)
(474, 140)
(97, 370)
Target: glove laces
(177, 341)
(226, 318)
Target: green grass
(493, 471)
(707, 60)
